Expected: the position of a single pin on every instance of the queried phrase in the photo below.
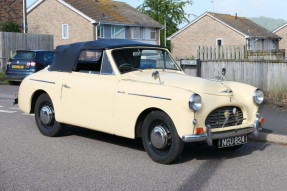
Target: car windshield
(131, 59)
(24, 55)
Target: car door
(87, 95)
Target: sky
(243, 8)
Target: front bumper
(208, 136)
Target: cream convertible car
(132, 89)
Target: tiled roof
(107, 11)
(245, 26)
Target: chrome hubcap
(46, 114)
(159, 137)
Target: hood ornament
(155, 76)
(228, 91)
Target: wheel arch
(34, 99)
(141, 118)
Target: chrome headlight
(195, 102)
(258, 96)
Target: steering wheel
(125, 66)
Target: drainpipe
(24, 17)
(97, 30)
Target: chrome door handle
(66, 86)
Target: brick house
(84, 20)
(11, 10)
(214, 29)
(282, 31)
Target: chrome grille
(217, 119)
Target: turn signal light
(199, 130)
(262, 120)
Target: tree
(171, 10)
(10, 26)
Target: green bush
(10, 26)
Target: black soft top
(67, 55)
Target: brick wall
(283, 42)
(203, 32)
(48, 18)
(11, 10)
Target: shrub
(10, 26)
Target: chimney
(235, 16)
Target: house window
(218, 41)
(149, 34)
(118, 32)
(65, 31)
(136, 33)
(100, 31)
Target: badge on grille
(226, 114)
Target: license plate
(232, 141)
(18, 66)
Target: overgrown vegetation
(170, 10)
(10, 26)
(2, 77)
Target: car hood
(181, 80)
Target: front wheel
(160, 138)
(45, 117)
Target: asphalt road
(88, 160)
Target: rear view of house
(214, 29)
(84, 20)
(282, 31)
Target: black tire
(51, 127)
(12, 83)
(173, 147)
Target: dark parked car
(24, 63)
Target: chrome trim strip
(218, 135)
(43, 81)
(149, 96)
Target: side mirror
(155, 75)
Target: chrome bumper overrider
(208, 136)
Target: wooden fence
(20, 41)
(237, 53)
(268, 76)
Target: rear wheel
(45, 117)
(160, 138)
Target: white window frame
(101, 35)
(63, 31)
(113, 36)
(217, 41)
